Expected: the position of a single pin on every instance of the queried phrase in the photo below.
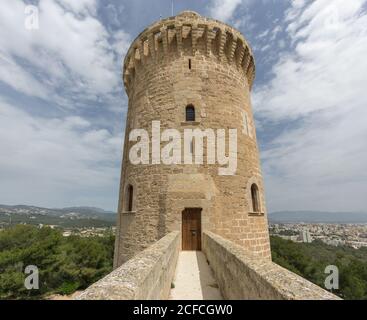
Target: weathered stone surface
(160, 84)
(148, 276)
(241, 276)
(176, 62)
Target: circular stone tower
(190, 72)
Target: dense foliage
(310, 261)
(73, 263)
(65, 264)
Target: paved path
(194, 279)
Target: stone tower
(190, 72)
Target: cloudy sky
(63, 107)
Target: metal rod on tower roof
(172, 8)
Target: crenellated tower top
(187, 34)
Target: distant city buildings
(88, 232)
(352, 235)
(305, 236)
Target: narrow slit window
(255, 198)
(190, 64)
(245, 120)
(129, 198)
(190, 113)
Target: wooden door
(191, 230)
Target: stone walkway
(194, 279)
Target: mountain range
(97, 216)
(318, 217)
(65, 217)
(72, 212)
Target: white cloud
(72, 61)
(321, 85)
(71, 52)
(54, 162)
(224, 10)
(20, 79)
(79, 6)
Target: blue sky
(63, 106)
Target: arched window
(255, 198)
(129, 198)
(190, 113)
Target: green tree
(310, 261)
(65, 264)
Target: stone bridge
(223, 270)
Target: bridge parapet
(147, 276)
(243, 277)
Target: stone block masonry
(176, 63)
(148, 276)
(241, 276)
(192, 72)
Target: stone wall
(241, 276)
(176, 62)
(148, 276)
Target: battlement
(189, 34)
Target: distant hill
(65, 217)
(317, 217)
